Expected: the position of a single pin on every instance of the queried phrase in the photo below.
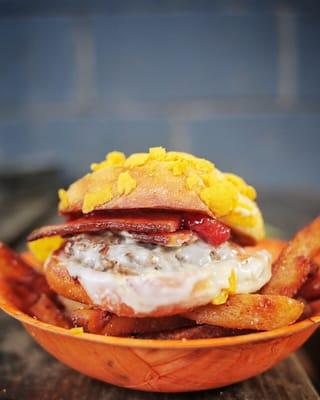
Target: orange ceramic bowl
(168, 365)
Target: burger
(163, 246)
(154, 235)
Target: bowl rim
(289, 330)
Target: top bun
(169, 181)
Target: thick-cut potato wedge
(22, 282)
(28, 289)
(293, 266)
(307, 309)
(250, 311)
(311, 289)
(32, 261)
(47, 310)
(194, 332)
(95, 320)
(13, 267)
(316, 259)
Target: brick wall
(234, 81)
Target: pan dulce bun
(166, 180)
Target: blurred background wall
(235, 81)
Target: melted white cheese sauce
(146, 277)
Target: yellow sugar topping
(243, 214)
(221, 197)
(194, 182)
(77, 330)
(115, 158)
(204, 166)
(245, 189)
(93, 199)
(126, 183)
(63, 197)
(136, 160)
(157, 153)
(233, 282)
(179, 167)
(42, 248)
(221, 298)
(224, 294)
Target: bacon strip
(170, 239)
(162, 228)
(152, 223)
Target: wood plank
(27, 373)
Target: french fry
(22, 282)
(143, 325)
(250, 311)
(293, 266)
(311, 289)
(12, 266)
(95, 320)
(14, 269)
(47, 310)
(28, 289)
(307, 309)
(32, 261)
(194, 332)
(316, 259)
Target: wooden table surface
(28, 373)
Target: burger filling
(118, 268)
